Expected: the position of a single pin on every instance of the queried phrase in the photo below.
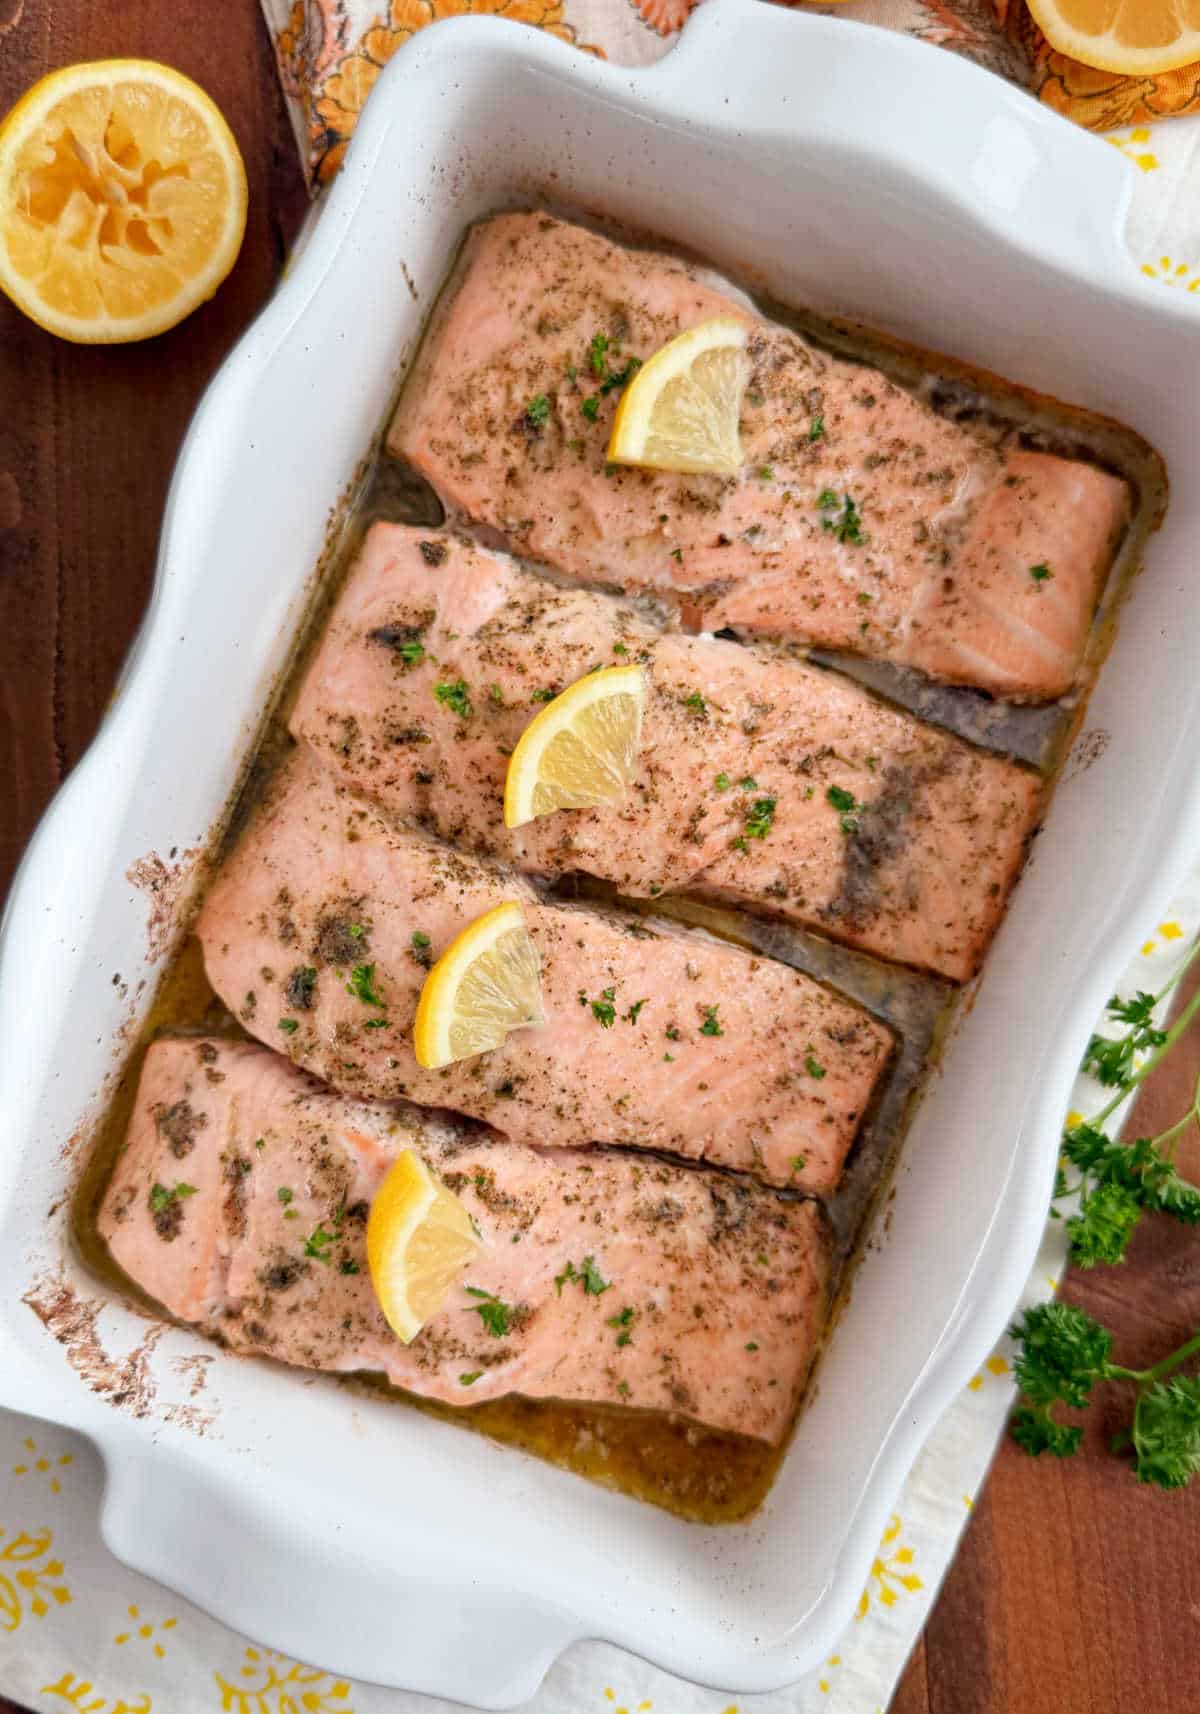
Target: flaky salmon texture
(861, 521)
(708, 1051)
(915, 865)
(235, 1160)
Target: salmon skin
(861, 520)
(766, 782)
(240, 1203)
(324, 919)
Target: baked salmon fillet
(655, 1036)
(739, 757)
(861, 520)
(240, 1203)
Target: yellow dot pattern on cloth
(1171, 273)
(146, 1632)
(38, 1464)
(890, 1576)
(1133, 148)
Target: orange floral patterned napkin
(331, 51)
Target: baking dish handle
(456, 1629)
(985, 145)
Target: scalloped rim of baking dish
(977, 223)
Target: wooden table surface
(1076, 1591)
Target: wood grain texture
(88, 435)
(1076, 1591)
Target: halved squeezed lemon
(486, 984)
(581, 750)
(122, 200)
(681, 410)
(1137, 37)
(419, 1239)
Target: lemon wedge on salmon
(581, 750)
(486, 983)
(1138, 38)
(122, 200)
(681, 410)
(419, 1239)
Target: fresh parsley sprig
(1119, 1182)
(1064, 1353)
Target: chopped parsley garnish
(748, 783)
(543, 695)
(847, 524)
(813, 1065)
(587, 1275)
(603, 1009)
(469, 1380)
(711, 1025)
(496, 695)
(537, 411)
(623, 1389)
(317, 1243)
(631, 1016)
(591, 408)
(766, 473)
(284, 1194)
(348, 1266)
(491, 1310)
(620, 649)
(289, 1026)
(572, 372)
(362, 986)
(619, 378)
(847, 806)
(760, 817)
(161, 1198)
(816, 428)
(624, 1324)
(420, 939)
(597, 357)
(412, 654)
(355, 930)
(752, 1345)
(799, 1162)
(456, 696)
(722, 782)
(672, 1033)
(375, 1024)
(1041, 573)
(695, 703)
(677, 555)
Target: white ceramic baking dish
(852, 170)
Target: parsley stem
(1173, 1034)
(1117, 1372)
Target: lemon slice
(122, 200)
(681, 410)
(486, 983)
(581, 750)
(419, 1239)
(1136, 37)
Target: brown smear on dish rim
(670, 1462)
